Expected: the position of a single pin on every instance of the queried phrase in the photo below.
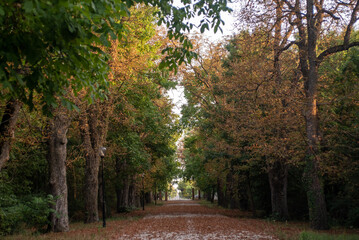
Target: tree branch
(335, 49)
(287, 46)
(330, 14)
(353, 19)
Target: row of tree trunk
(93, 128)
(236, 192)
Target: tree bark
(213, 194)
(91, 142)
(93, 127)
(315, 193)
(221, 194)
(208, 195)
(155, 194)
(278, 179)
(132, 194)
(7, 129)
(148, 197)
(250, 196)
(57, 142)
(122, 185)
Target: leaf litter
(187, 220)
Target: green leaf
(2, 12)
(28, 6)
(204, 27)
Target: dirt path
(180, 220)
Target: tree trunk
(7, 129)
(120, 183)
(91, 189)
(208, 195)
(94, 121)
(132, 194)
(250, 197)
(213, 194)
(103, 205)
(123, 195)
(57, 168)
(230, 196)
(233, 200)
(221, 194)
(315, 193)
(192, 193)
(155, 194)
(166, 195)
(278, 178)
(90, 138)
(199, 194)
(148, 197)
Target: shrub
(10, 218)
(34, 211)
(353, 218)
(10, 209)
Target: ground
(181, 220)
(189, 220)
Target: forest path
(182, 220)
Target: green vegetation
(271, 124)
(79, 75)
(185, 188)
(30, 211)
(246, 139)
(323, 236)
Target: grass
(308, 235)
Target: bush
(10, 209)
(353, 218)
(34, 211)
(10, 218)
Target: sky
(177, 95)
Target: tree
(7, 129)
(46, 51)
(310, 60)
(310, 20)
(50, 47)
(57, 141)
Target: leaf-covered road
(189, 220)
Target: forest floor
(182, 220)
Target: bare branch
(353, 19)
(287, 46)
(289, 4)
(335, 49)
(330, 14)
